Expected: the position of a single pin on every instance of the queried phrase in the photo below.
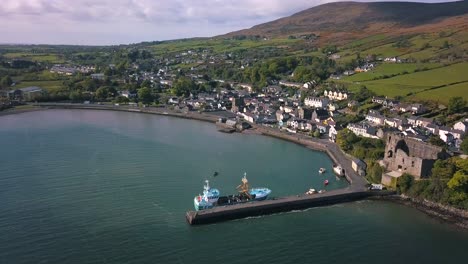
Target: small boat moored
(322, 170)
(338, 170)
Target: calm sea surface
(110, 187)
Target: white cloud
(124, 21)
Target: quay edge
(278, 205)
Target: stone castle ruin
(405, 155)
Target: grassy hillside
(350, 20)
(450, 80)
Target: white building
(317, 102)
(375, 117)
(461, 125)
(336, 95)
(363, 130)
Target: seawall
(278, 205)
(145, 110)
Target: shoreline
(443, 213)
(446, 214)
(14, 111)
(356, 182)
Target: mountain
(355, 19)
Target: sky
(109, 22)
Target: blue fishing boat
(211, 196)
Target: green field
(409, 84)
(220, 45)
(443, 94)
(51, 86)
(53, 58)
(389, 69)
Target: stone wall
(411, 156)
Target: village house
(365, 68)
(305, 113)
(246, 86)
(423, 121)
(363, 129)
(273, 89)
(417, 109)
(449, 135)
(287, 108)
(332, 133)
(375, 117)
(461, 125)
(322, 127)
(237, 104)
(319, 115)
(395, 121)
(98, 76)
(433, 128)
(348, 73)
(384, 101)
(359, 166)
(336, 95)
(59, 69)
(412, 120)
(299, 124)
(316, 102)
(291, 84)
(309, 85)
(378, 100)
(332, 107)
(392, 59)
(128, 94)
(282, 116)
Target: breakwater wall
(278, 205)
(146, 110)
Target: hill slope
(345, 19)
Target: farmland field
(389, 69)
(408, 84)
(54, 58)
(47, 85)
(441, 94)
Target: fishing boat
(211, 197)
(311, 191)
(208, 199)
(322, 170)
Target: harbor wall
(146, 110)
(286, 204)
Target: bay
(80, 186)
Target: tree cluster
(447, 185)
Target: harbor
(278, 205)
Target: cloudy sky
(102, 22)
